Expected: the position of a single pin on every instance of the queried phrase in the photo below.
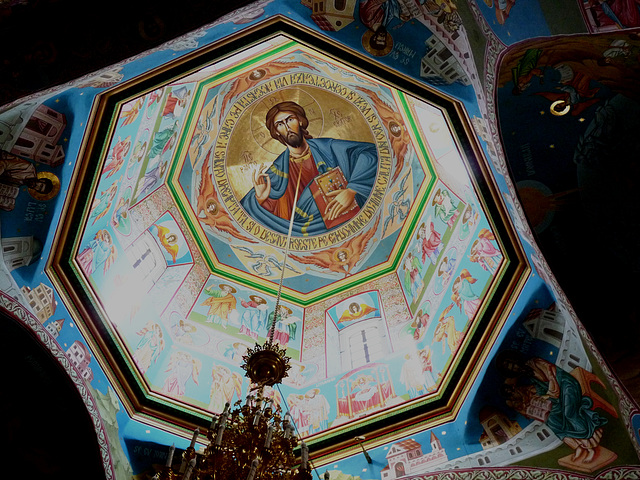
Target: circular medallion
(318, 137)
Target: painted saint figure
(446, 330)
(254, 318)
(285, 328)
(554, 397)
(163, 141)
(271, 199)
(16, 171)
(221, 303)
(446, 268)
(412, 269)
(420, 323)
(469, 219)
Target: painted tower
(20, 251)
(332, 15)
(498, 428)
(39, 137)
(55, 327)
(80, 356)
(439, 66)
(406, 458)
(41, 300)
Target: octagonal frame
(147, 407)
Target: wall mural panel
(183, 243)
(174, 231)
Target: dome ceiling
(175, 258)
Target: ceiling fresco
(446, 248)
(182, 262)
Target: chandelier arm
(295, 427)
(276, 311)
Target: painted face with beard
(288, 126)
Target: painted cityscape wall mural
(146, 216)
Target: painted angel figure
(168, 240)
(446, 331)
(182, 367)
(118, 154)
(130, 111)
(484, 253)
(430, 242)
(444, 208)
(411, 376)
(225, 384)
(102, 203)
(103, 253)
(149, 346)
(463, 295)
(356, 311)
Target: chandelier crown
(266, 364)
(252, 441)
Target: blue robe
(571, 414)
(359, 164)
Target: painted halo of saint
(48, 186)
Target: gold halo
(376, 53)
(393, 125)
(558, 103)
(55, 181)
(188, 327)
(337, 258)
(301, 97)
(208, 205)
(257, 299)
(233, 290)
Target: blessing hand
(261, 184)
(341, 201)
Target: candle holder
(251, 441)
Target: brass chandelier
(254, 441)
